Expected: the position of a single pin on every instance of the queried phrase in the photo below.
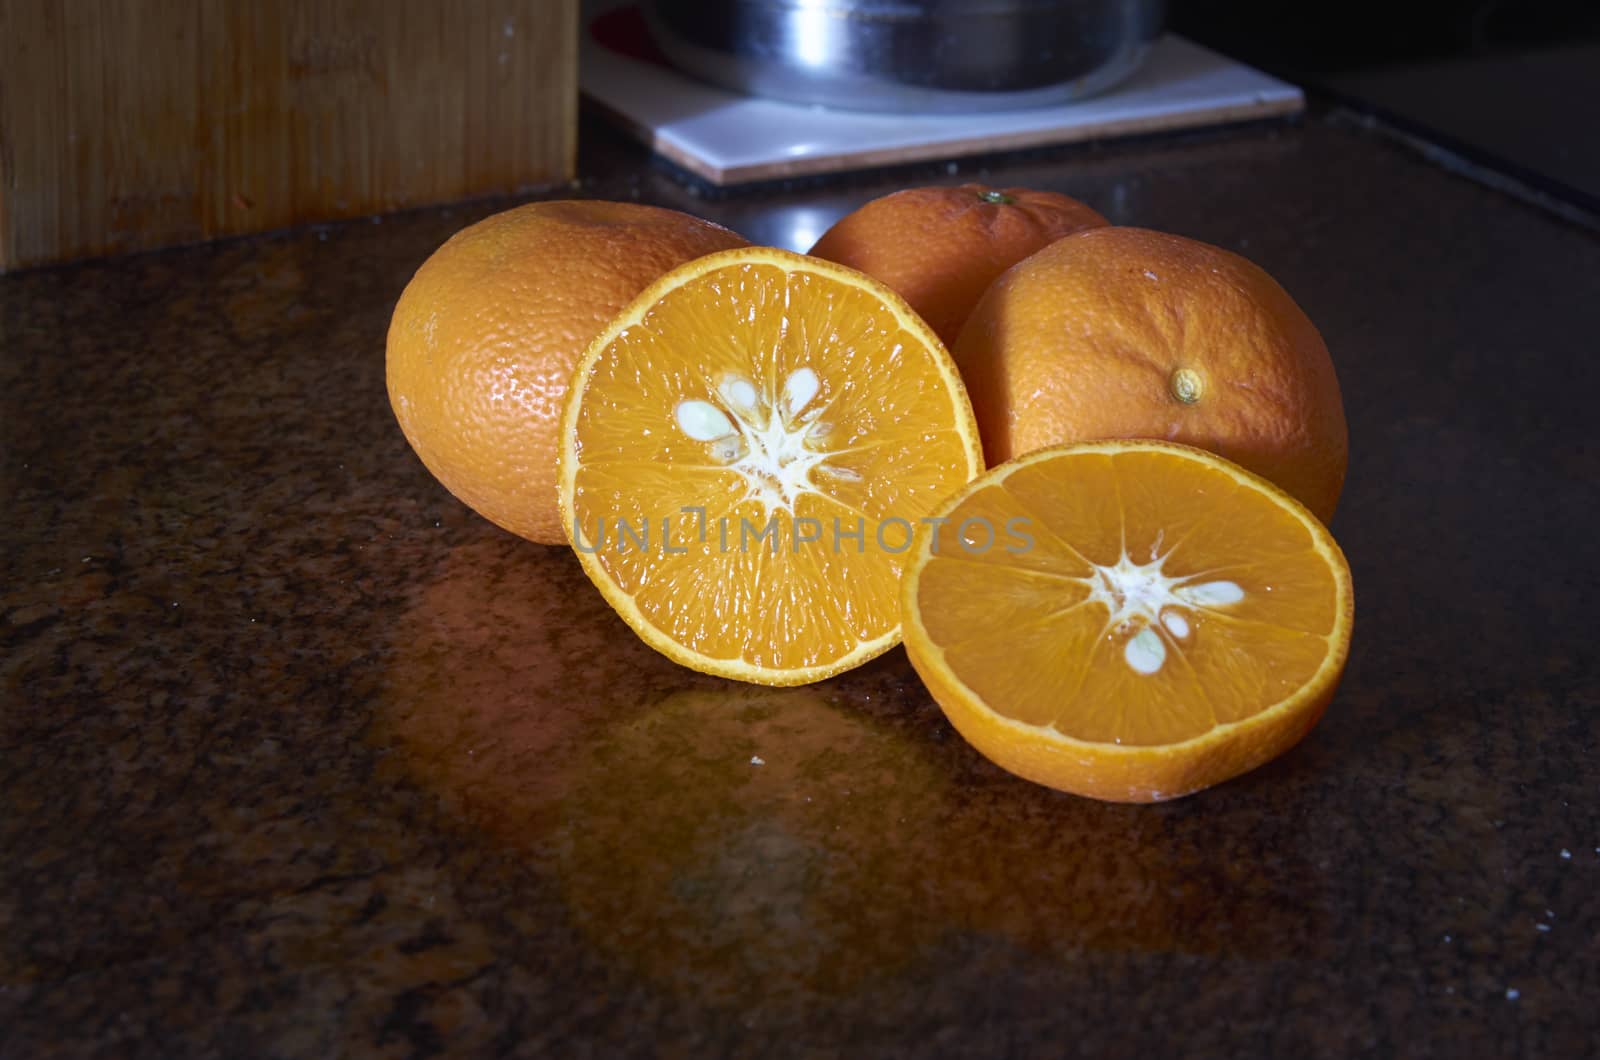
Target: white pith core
(1147, 607)
(774, 441)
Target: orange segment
(1156, 620)
(745, 452)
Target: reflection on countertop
(301, 758)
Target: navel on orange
(744, 451)
(1129, 620)
(941, 247)
(1129, 333)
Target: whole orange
(485, 336)
(1128, 333)
(939, 248)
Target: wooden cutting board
(130, 124)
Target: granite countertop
(301, 758)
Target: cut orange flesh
(1129, 620)
(745, 451)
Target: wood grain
(130, 124)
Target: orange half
(1128, 620)
(745, 452)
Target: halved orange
(745, 451)
(1128, 620)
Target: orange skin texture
(1085, 340)
(485, 337)
(940, 248)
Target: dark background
(1514, 85)
(1322, 39)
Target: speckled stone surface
(300, 758)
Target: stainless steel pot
(908, 55)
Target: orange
(1127, 333)
(941, 247)
(744, 452)
(485, 335)
(1129, 620)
